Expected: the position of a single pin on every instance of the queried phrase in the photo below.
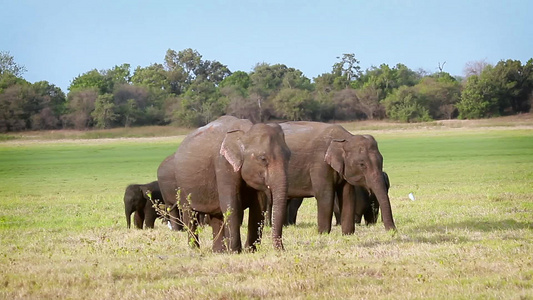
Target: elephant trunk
(278, 187)
(378, 186)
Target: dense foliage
(189, 91)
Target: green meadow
(467, 235)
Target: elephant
(327, 160)
(367, 205)
(293, 204)
(167, 184)
(136, 200)
(225, 167)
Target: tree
(266, 83)
(130, 103)
(153, 77)
(347, 70)
(182, 67)
(294, 104)
(55, 96)
(442, 92)
(240, 105)
(213, 71)
(92, 79)
(52, 105)
(103, 113)
(234, 89)
(199, 105)
(80, 105)
(474, 68)
(295, 79)
(407, 105)
(512, 85)
(385, 79)
(473, 104)
(498, 90)
(368, 102)
(346, 102)
(13, 108)
(323, 94)
(239, 80)
(8, 65)
(119, 74)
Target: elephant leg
(361, 204)
(176, 219)
(337, 211)
(217, 224)
(266, 208)
(325, 209)
(293, 205)
(256, 220)
(232, 231)
(346, 196)
(139, 218)
(372, 211)
(128, 217)
(231, 206)
(190, 223)
(230, 191)
(149, 215)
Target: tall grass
(467, 235)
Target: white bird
(412, 197)
(168, 224)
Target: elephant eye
(262, 159)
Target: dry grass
(468, 235)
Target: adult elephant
(293, 204)
(223, 168)
(367, 205)
(136, 200)
(168, 186)
(326, 160)
(167, 183)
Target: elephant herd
(230, 164)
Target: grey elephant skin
(366, 205)
(327, 160)
(136, 200)
(167, 183)
(227, 166)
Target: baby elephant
(136, 200)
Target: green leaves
(187, 90)
(504, 88)
(9, 66)
(103, 111)
(406, 105)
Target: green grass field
(468, 235)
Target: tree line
(188, 90)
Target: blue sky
(59, 40)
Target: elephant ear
(144, 190)
(335, 155)
(232, 149)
